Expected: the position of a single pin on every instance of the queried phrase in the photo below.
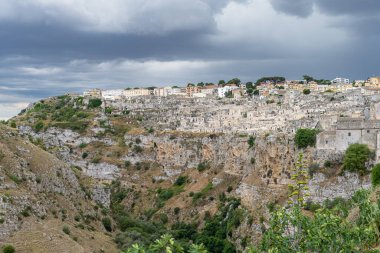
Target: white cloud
(42, 71)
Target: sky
(51, 47)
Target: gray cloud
(349, 7)
(300, 8)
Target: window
(368, 131)
(349, 134)
(327, 142)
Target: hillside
(154, 178)
(40, 196)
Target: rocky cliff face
(256, 169)
(36, 188)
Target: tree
(306, 91)
(250, 91)
(305, 137)
(234, 81)
(249, 85)
(272, 79)
(221, 82)
(256, 92)
(375, 175)
(229, 94)
(308, 78)
(190, 84)
(201, 84)
(355, 158)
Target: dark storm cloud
(300, 8)
(53, 47)
(350, 7)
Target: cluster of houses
(349, 114)
(371, 85)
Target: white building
(97, 93)
(137, 92)
(222, 90)
(163, 92)
(341, 80)
(112, 94)
(177, 92)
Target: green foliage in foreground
(375, 175)
(356, 157)
(290, 229)
(305, 137)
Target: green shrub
(306, 91)
(13, 124)
(94, 103)
(181, 180)
(107, 224)
(38, 126)
(66, 230)
(305, 137)
(127, 164)
(82, 145)
(164, 218)
(355, 158)
(15, 179)
(251, 141)
(375, 175)
(177, 210)
(328, 164)
(8, 249)
(137, 149)
(203, 166)
(84, 155)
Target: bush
(137, 149)
(203, 166)
(181, 180)
(66, 230)
(306, 91)
(164, 218)
(8, 249)
(177, 210)
(84, 155)
(305, 137)
(356, 157)
(107, 224)
(38, 126)
(94, 102)
(13, 124)
(328, 164)
(375, 175)
(251, 141)
(127, 164)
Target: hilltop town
(347, 112)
